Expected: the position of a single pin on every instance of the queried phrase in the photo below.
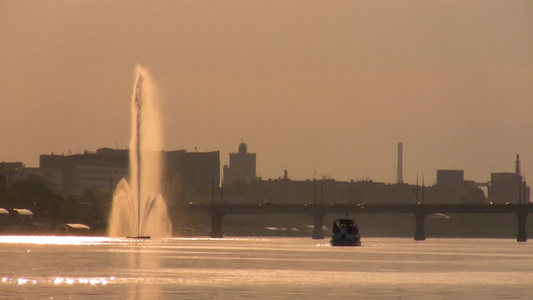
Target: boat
(345, 233)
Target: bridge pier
(522, 235)
(216, 225)
(420, 235)
(318, 220)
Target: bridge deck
(382, 208)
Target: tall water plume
(138, 207)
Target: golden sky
(325, 86)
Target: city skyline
(329, 87)
(420, 178)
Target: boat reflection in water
(345, 233)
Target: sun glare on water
(60, 281)
(54, 240)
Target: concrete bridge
(318, 211)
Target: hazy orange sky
(325, 86)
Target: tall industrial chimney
(400, 163)
(517, 165)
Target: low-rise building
(190, 176)
(508, 187)
(76, 173)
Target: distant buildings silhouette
(190, 176)
(11, 172)
(73, 174)
(242, 166)
(195, 177)
(184, 173)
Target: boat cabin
(345, 226)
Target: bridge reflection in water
(319, 211)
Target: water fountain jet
(138, 209)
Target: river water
(263, 268)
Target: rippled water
(256, 268)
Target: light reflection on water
(259, 268)
(58, 280)
(89, 240)
(52, 240)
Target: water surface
(263, 268)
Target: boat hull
(335, 242)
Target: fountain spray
(138, 208)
